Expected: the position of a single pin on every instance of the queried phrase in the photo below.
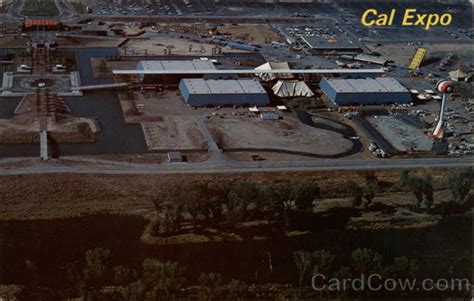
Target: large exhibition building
(202, 92)
(381, 90)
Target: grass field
(61, 196)
(40, 8)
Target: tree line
(236, 201)
(363, 261)
(94, 277)
(422, 187)
(225, 201)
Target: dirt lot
(13, 41)
(251, 33)
(158, 45)
(25, 127)
(166, 121)
(60, 195)
(173, 133)
(88, 41)
(287, 134)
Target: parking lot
(205, 7)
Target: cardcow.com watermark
(376, 282)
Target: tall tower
(445, 87)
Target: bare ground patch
(174, 132)
(288, 134)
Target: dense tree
(236, 290)
(303, 193)
(210, 286)
(404, 174)
(428, 190)
(212, 196)
(135, 291)
(277, 204)
(92, 274)
(317, 262)
(366, 261)
(162, 280)
(355, 192)
(370, 189)
(97, 265)
(360, 193)
(242, 199)
(304, 263)
(421, 187)
(402, 268)
(122, 275)
(173, 217)
(460, 184)
(323, 262)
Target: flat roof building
(381, 90)
(202, 92)
(162, 65)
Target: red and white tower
(445, 87)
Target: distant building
(30, 24)
(95, 29)
(161, 65)
(459, 75)
(372, 59)
(202, 92)
(175, 157)
(381, 90)
(269, 116)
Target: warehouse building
(381, 90)
(202, 92)
(163, 65)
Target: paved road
(209, 167)
(65, 11)
(216, 152)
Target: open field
(251, 33)
(287, 134)
(173, 133)
(177, 46)
(61, 195)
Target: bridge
(101, 87)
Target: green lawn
(40, 8)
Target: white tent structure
(284, 88)
(273, 66)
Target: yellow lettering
(392, 16)
(446, 19)
(366, 14)
(382, 20)
(408, 16)
(433, 19)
